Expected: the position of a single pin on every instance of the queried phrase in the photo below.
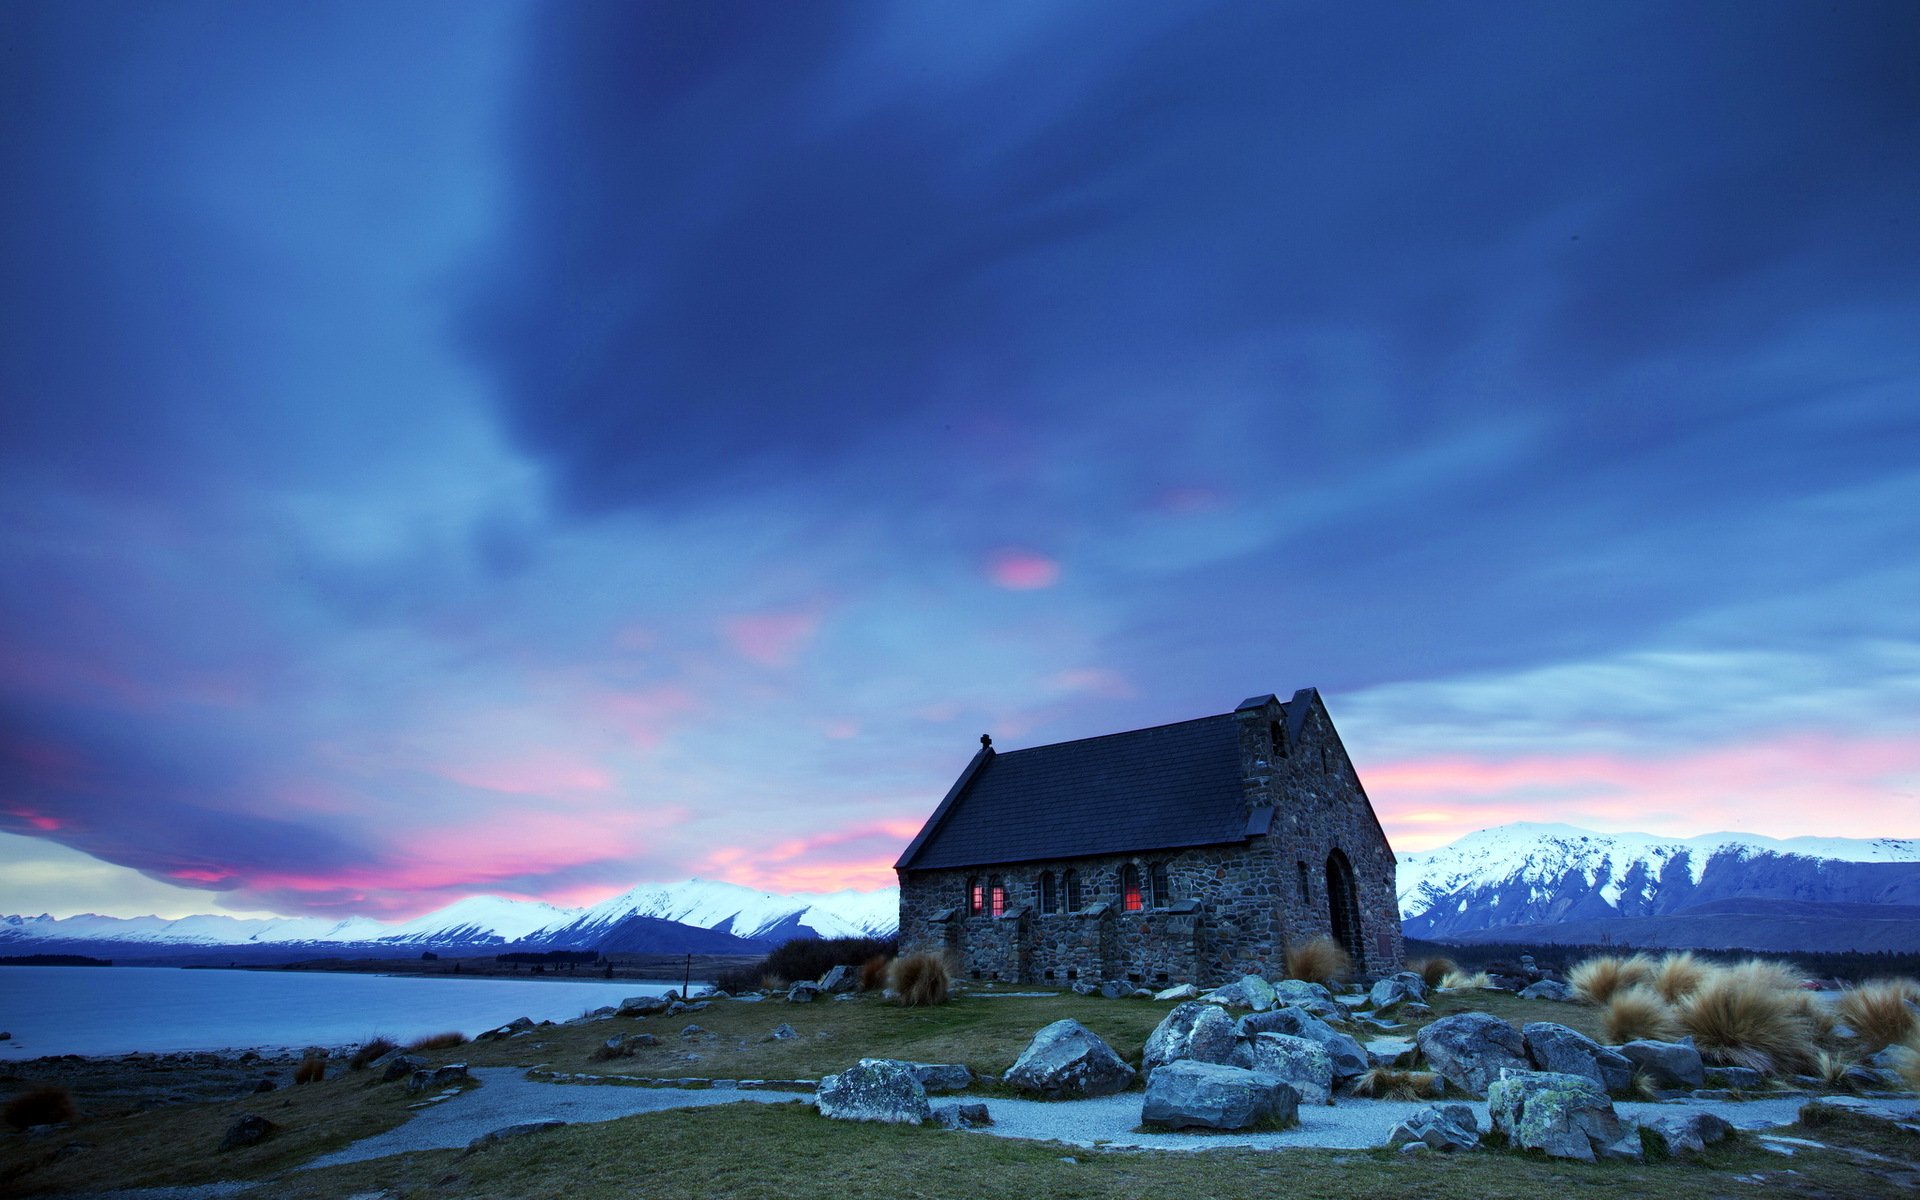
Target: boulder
(487, 1141)
(1470, 1049)
(1084, 989)
(1347, 1057)
(1068, 1059)
(1562, 1116)
(1249, 991)
(1300, 991)
(1667, 1064)
(874, 1089)
(402, 1066)
(1391, 1052)
(249, 1130)
(1443, 1127)
(1567, 1051)
(643, 1006)
(451, 1075)
(1304, 1064)
(962, 1116)
(1191, 1030)
(1684, 1137)
(842, 978)
(1547, 989)
(1738, 1079)
(1183, 991)
(802, 993)
(936, 1077)
(1190, 1095)
(1397, 989)
(1114, 989)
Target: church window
(1070, 884)
(997, 897)
(1130, 897)
(976, 897)
(1161, 896)
(1049, 894)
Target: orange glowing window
(1130, 895)
(999, 898)
(976, 897)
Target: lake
(116, 1010)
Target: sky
(471, 448)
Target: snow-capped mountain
(1530, 875)
(702, 916)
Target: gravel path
(507, 1097)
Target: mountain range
(1512, 883)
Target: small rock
(1113, 989)
(1667, 1064)
(1302, 1063)
(1300, 991)
(488, 1140)
(402, 1066)
(881, 1090)
(1547, 989)
(1084, 989)
(1249, 991)
(1684, 1137)
(1397, 989)
(1562, 1116)
(1345, 1053)
(450, 1075)
(963, 1116)
(1183, 991)
(249, 1130)
(1739, 1079)
(782, 1033)
(264, 1085)
(1190, 1095)
(842, 978)
(1471, 1049)
(693, 1031)
(1068, 1059)
(1557, 1048)
(1443, 1127)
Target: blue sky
(531, 450)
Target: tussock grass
(1457, 980)
(1390, 1083)
(1434, 971)
(1879, 1011)
(1742, 1016)
(1909, 1065)
(1639, 1013)
(312, 1069)
(1831, 1069)
(1319, 961)
(437, 1041)
(1677, 976)
(873, 972)
(50, 1105)
(1598, 978)
(373, 1048)
(921, 980)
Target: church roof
(1146, 789)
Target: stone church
(1192, 852)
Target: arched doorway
(1343, 906)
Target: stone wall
(1230, 909)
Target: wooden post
(686, 981)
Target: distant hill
(1555, 884)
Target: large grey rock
(1348, 1059)
(1667, 1064)
(1397, 989)
(1199, 1095)
(450, 1075)
(1689, 1135)
(874, 1089)
(1391, 1052)
(1068, 1059)
(1300, 991)
(1191, 1030)
(1469, 1050)
(250, 1130)
(1249, 991)
(1568, 1051)
(1547, 989)
(643, 1006)
(1443, 1127)
(1562, 1116)
(802, 993)
(963, 1116)
(1299, 1061)
(842, 978)
(1179, 991)
(402, 1066)
(936, 1077)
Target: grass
(1639, 1012)
(804, 959)
(1466, 980)
(873, 972)
(1598, 978)
(1677, 976)
(436, 1041)
(50, 1105)
(1387, 1083)
(1319, 961)
(1742, 1017)
(312, 1069)
(921, 980)
(373, 1048)
(1434, 971)
(1879, 1011)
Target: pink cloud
(1779, 787)
(857, 856)
(771, 639)
(530, 775)
(1096, 681)
(1022, 570)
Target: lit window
(976, 897)
(1130, 897)
(997, 897)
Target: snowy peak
(740, 911)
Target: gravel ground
(507, 1097)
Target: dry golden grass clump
(921, 979)
(1319, 961)
(312, 1069)
(1677, 976)
(1879, 1011)
(437, 1041)
(1639, 1013)
(1456, 980)
(1909, 1066)
(50, 1105)
(1389, 1083)
(1742, 1016)
(1434, 971)
(1598, 978)
(374, 1048)
(873, 972)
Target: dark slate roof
(1148, 789)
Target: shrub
(803, 958)
(1677, 976)
(1742, 1017)
(50, 1105)
(1638, 1013)
(1879, 1011)
(873, 972)
(1832, 1070)
(437, 1041)
(1598, 978)
(312, 1069)
(920, 979)
(1319, 961)
(1387, 1083)
(1434, 970)
(374, 1048)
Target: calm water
(114, 1010)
